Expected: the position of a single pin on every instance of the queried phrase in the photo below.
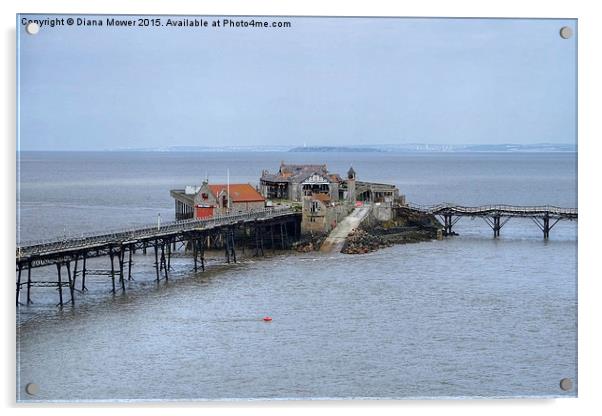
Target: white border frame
(590, 34)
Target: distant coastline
(377, 148)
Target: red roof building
(223, 198)
(239, 192)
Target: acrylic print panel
(295, 208)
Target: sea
(469, 316)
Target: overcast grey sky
(324, 81)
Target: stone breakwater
(407, 226)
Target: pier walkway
(270, 226)
(545, 216)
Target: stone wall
(325, 219)
(382, 211)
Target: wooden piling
(202, 244)
(121, 265)
(163, 262)
(112, 256)
(157, 259)
(226, 240)
(130, 252)
(231, 244)
(546, 227)
(60, 284)
(29, 283)
(84, 273)
(19, 283)
(169, 254)
(75, 270)
(71, 287)
(195, 252)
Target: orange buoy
(267, 318)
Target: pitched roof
(298, 173)
(295, 169)
(335, 177)
(239, 192)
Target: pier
(261, 229)
(496, 216)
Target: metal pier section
(496, 216)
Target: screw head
(566, 384)
(566, 32)
(32, 389)
(32, 28)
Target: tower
(351, 185)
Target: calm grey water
(466, 316)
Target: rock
(309, 243)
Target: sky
(323, 81)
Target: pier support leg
(157, 259)
(448, 224)
(258, 241)
(169, 254)
(281, 236)
(112, 256)
(232, 249)
(273, 247)
(29, 283)
(546, 227)
(131, 250)
(202, 243)
(195, 251)
(226, 239)
(243, 240)
(163, 262)
(71, 287)
(60, 284)
(84, 274)
(75, 270)
(496, 226)
(121, 265)
(19, 283)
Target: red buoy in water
(267, 318)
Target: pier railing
(124, 235)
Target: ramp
(335, 241)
